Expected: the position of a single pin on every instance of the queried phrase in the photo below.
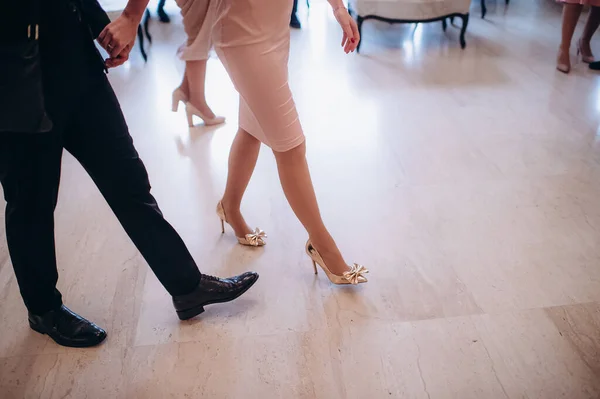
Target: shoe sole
(195, 311)
(66, 343)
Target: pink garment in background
(198, 20)
(252, 40)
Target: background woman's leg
(194, 85)
(571, 13)
(590, 28)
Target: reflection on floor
(467, 181)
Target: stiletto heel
(190, 110)
(354, 276)
(255, 239)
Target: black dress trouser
(89, 124)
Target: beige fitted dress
(252, 40)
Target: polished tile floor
(467, 181)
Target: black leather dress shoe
(595, 65)
(295, 22)
(212, 290)
(67, 328)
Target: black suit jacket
(22, 107)
(95, 16)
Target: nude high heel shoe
(256, 239)
(190, 111)
(354, 276)
(179, 96)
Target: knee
(26, 212)
(247, 137)
(32, 203)
(295, 154)
(127, 182)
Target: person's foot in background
(294, 21)
(595, 65)
(162, 15)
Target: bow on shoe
(255, 239)
(356, 272)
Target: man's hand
(118, 35)
(120, 59)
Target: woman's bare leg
(571, 13)
(590, 28)
(298, 188)
(193, 86)
(242, 160)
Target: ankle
(231, 207)
(325, 245)
(184, 89)
(585, 47)
(197, 99)
(564, 57)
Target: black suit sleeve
(95, 16)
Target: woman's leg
(259, 73)
(193, 86)
(571, 13)
(298, 188)
(242, 160)
(590, 28)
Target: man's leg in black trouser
(30, 175)
(98, 137)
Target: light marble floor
(467, 181)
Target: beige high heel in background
(256, 239)
(354, 276)
(190, 110)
